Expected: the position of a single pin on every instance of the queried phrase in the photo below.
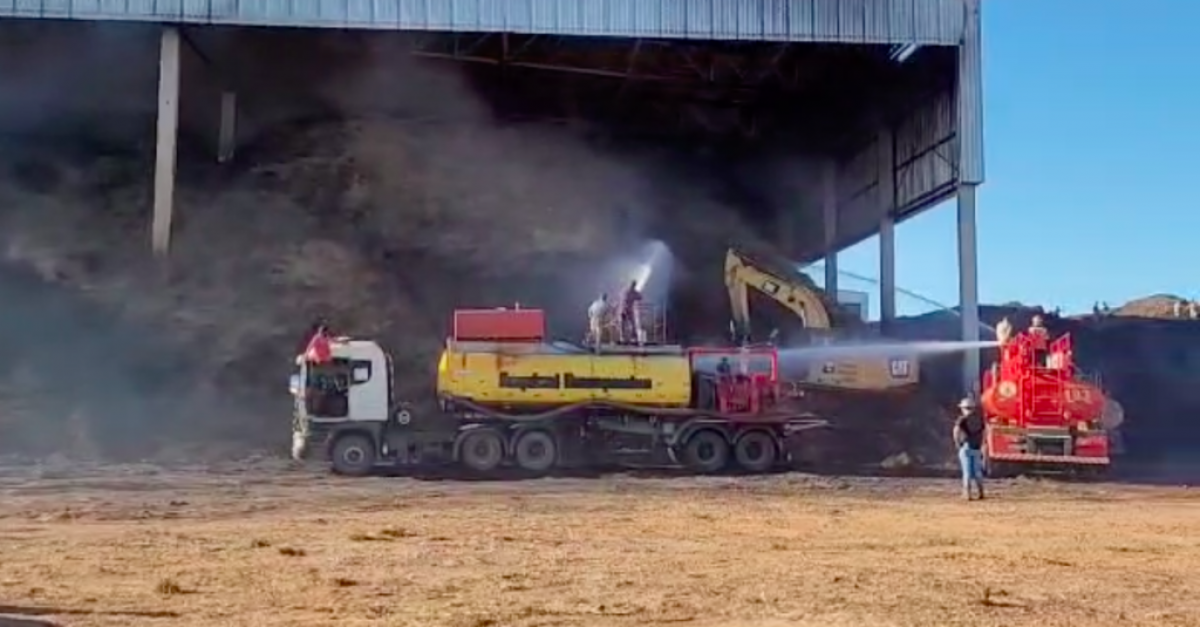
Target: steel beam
(829, 207)
(227, 134)
(970, 174)
(968, 285)
(168, 129)
(887, 229)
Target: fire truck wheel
(535, 451)
(706, 452)
(481, 450)
(353, 454)
(755, 451)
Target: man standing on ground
(968, 439)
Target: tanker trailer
(508, 396)
(1041, 413)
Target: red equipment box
(499, 325)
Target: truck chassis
(585, 437)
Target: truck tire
(353, 455)
(705, 452)
(756, 451)
(536, 451)
(481, 450)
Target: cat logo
(899, 368)
(829, 368)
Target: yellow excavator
(821, 318)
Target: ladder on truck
(1044, 382)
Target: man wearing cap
(968, 439)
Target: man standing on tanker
(968, 439)
(631, 319)
(597, 313)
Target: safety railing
(646, 327)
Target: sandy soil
(259, 544)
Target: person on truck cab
(968, 439)
(319, 350)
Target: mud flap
(299, 439)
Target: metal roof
(926, 22)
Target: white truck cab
(352, 388)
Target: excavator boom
(743, 273)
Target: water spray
(928, 301)
(656, 259)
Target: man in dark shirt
(968, 439)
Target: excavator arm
(743, 274)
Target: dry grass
(305, 550)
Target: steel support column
(970, 175)
(168, 128)
(227, 134)
(887, 229)
(968, 285)
(829, 218)
(887, 273)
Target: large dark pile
(381, 226)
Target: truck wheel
(756, 451)
(481, 450)
(353, 455)
(706, 452)
(536, 451)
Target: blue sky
(1092, 139)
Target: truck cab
(351, 390)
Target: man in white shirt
(597, 312)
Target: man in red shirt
(318, 350)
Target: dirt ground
(259, 544)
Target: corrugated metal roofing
(970, 98)
(928, 22)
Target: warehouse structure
(887, 92)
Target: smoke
(369, 188)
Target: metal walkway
(925, 22)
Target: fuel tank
(1079, 400)
(1035, 382)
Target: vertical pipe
(968, 285)
(829, 212)
(168, 127)
(227, 137)
(887, 229)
